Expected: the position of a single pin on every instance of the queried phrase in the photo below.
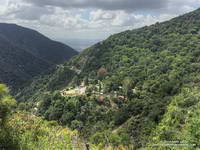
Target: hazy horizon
(79, 44)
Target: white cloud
(72, 19)
(101, 15)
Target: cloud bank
(94, 19)
(104, 4)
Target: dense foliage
(24, 131)
(132, 80)
(7, 141)
(61, 77)
(180, 124)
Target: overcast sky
(71, 20)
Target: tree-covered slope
(36, 43)
(132, 79)
(177, 36)
(24, 131)
(17, 65)
(25, 53)
(181, 123)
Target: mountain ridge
(26, 53)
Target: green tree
(127, 87)
(7, 139)
(6, 103)
(86, 81)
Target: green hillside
(24, 131)
(25, 53)
(135, 86)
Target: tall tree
(127, 87)
(6, 102)
(7, 140)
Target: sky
(81, 23)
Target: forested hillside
(21, 130)
(25, 53)
(141, 87)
